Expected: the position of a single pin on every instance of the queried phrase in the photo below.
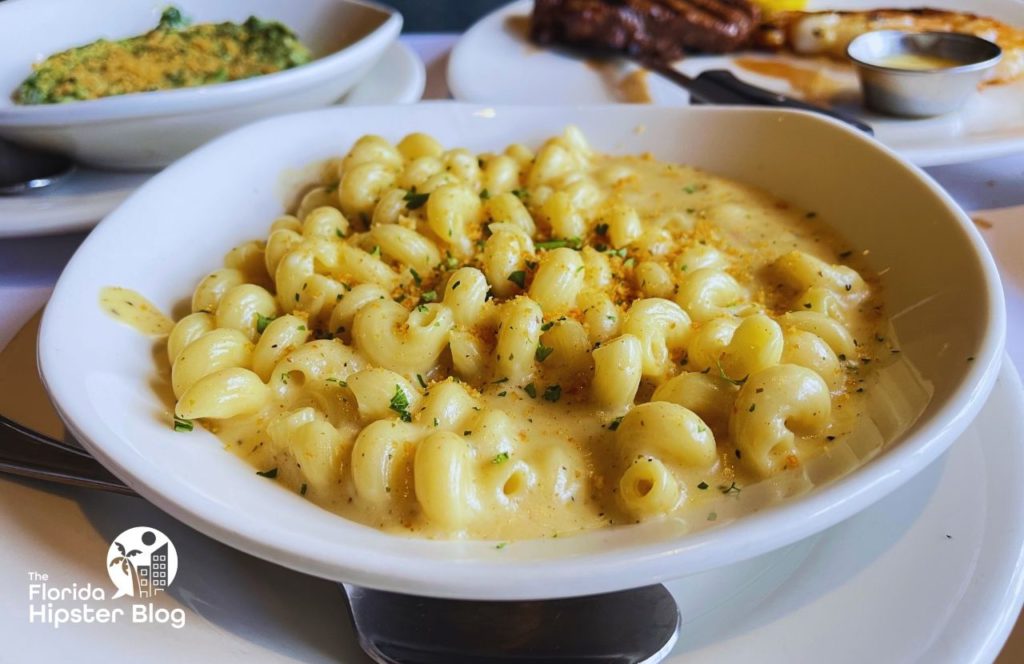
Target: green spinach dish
(173, 55)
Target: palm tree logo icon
(141, 562)
(127, 566)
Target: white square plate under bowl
(148, 130)
(942, 289)
(990, 125)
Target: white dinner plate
(100, 373)
(88, 195)
(930, 574)
(494, 63)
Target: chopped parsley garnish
(547, 326)
(531, 390)
(429, 296)
(753, 406)
(721, 372)
(614, 424)
(456, 285)
(400, 404)
(521, 194)
(181, 424)
(262, 322)
(422, 308)
(552, 393)
(337, 231)
(338, 381)
(601, 229)
(500, 545)
(543, 352)
(690, 189)
(484, 194)
(375, 252)
(269, 474)
(703, 486)
(302, 489)
(518, 278)
(414, 201)
(422, 382)
(558, 243)
(501, 457)
(416, 277)
(732, 488)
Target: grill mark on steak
(657, 29)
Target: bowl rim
(607, 570)
(974, 66)
(204, 97)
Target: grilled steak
(655, 29)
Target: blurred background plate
(992, 123)
(148, 130)
(88, 195)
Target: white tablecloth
(992, 191)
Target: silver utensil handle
(638, 626)
(722, 87)
(26, 453)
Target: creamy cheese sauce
(916, 62)
(134, 310)
(563, 475)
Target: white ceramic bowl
(943, 292)
(149, 130)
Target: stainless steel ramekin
(920, 92)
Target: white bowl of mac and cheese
(525, 352)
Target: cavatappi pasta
(527, 343)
